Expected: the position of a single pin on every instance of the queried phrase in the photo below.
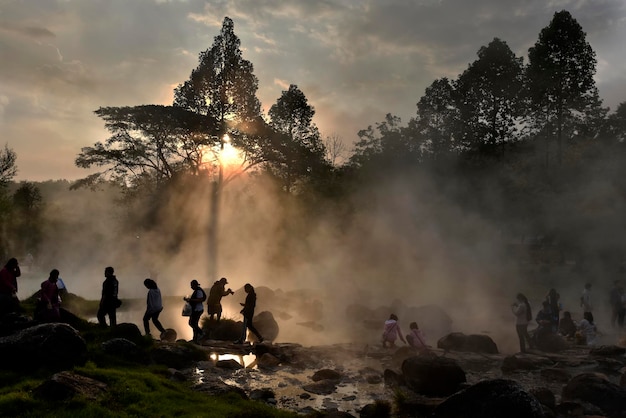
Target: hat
(223, 280)
(195, 282)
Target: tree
(8, 166)
(490, 97)
(148, 142)
(560, 73)
(27, 203)
(437, 119)
(615, 127)
(302, 152)
(335, 149)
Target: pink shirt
(392, 331)
(418, 339)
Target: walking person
(154, 306)
(214, 303)
(50, 300)
(523, 314)
(8, 287)
(109, 301)
(248, 314)
(196, 301)
(391, 332)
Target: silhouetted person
(523, 314)
(50, 300)
(214, 303)
(415, 338)
(8, 287)
(553, 300)
(588, 328)
(248, 313)
(154, 306)
(391, 331)
(109, 301)
(567, 327)
(544, 320)
(196, 300)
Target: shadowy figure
(588, 329)
(248, 313)
(109, 301)
(50, 302)
(553, 300)
(544, 320)
(415, 338)
(567, 326)
(615, 298)
(8, 287)
(214, 303)
(391, 331)
(154, 306)
(585, 299)
(196, 301)
(523, 314)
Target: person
(415, 338)
(585, 299)
(391, 331)
(49, 300)
(544, 320)
(523, 314)
(214, 303)
(567, 327)
(196, 301)
(62, 288)
(109, 301)
(8, 286)
(555, 307)
(248, 314)
(154, 306)
(615, 299)
(588, 329)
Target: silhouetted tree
(560, 74)
(27, 225)
(490, 98)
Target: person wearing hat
(195, 300)
(214, 303)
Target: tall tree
(301, 152)
(8, 170)
(490, 97)
(560, 74)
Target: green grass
(134, 392)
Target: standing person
(214, 303)
(154, 306)
(615, 299)
(109, 301)
(585, 299)
(553, 300)
(248, 313)
(521, 310)
(391, 331)
(196, 299)
(50, 301)
(415, 338)
(8, 287)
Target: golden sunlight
(228, 156)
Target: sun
(229, 157)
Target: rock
(262, 394)
(177, 355)
(267, 326)
(438, 376)
(544, 396)
(517, 362)
(607, 351)
(225, 330)
(127, 330)
(551, 343)
(393, 379)
(52, 346)
(322, 387)
(596, 389)
(169, 335)
(121, 347)
(326, 374)
(65, 385)
(229, 364)
(379, 409)
(556, 374)
(216, 387)
(473, 343)
(373, 379)
(11, 323)
(491, 398)
(268, 361)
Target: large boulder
(225, 330)
(433, 376)
(265, 323)
(177, 355)
(66, 385)
(123, 348)
(474, 343)
(128, 331)
(52, 346)
(498, 398)
(596, 389)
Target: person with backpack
(521, 310)
(196, 301)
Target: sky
(355, 60)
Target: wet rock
(373, 379)
(555, 374)
(519, 362)
(229, 364)
(126, 330)
(123, 348)
(438, 376)
(474, 343)
(607, 351)
(216, 387)
(326, 374)
(596, 389)
(176, 375)
(262, 394)
(305, 396)
(545, 396)
(322, 387)
(393, 379)
(52, 346)
(491, 398)
(268, 361)
(169, 335)
(65, 385)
